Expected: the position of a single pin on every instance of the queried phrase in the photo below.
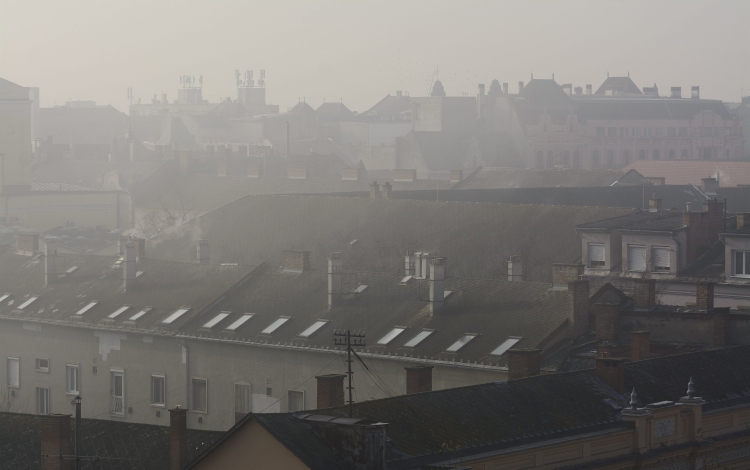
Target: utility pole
(349, 338)
(78, 432)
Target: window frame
(289, 394)
(458, 345)
(239, 414)
(163, 378)
(589, 261)
(112, 374)
(8, 360)
(660, 269)
(630, 260)
(391, 335)
(424, 332)
(39, 402)
(39, 368)
(68, 390)
(193, 381)
(746, 269)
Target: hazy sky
(360, 51)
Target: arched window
(641, 154)
(684, 155)
(671, 154)
(626, 157)
(576, 159)
(550, 159)
(540, 159)
(610, 158)
(656, 154)
(566, 158)
(595, 159)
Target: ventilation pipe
(437, 285)
(128, 267)
(334, 279)
(51, 262)
(203, 252)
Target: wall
(649, 241)
(15, 143)
(612, 246)
(43, 210)
(372, 133)
(669, 328)
(375, 158)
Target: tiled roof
(640, 221)
(395, 108)
(623, 84)
(492, 178)
(738, 199)
(118, 445)
(730, 173)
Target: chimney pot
(676, 92)
(505, 88)
(51, 263)
(374, 190)
(387, 188)
(563, 273)
(409, 263)
(481, 89)
(334, 279)
(203, 253)
(654, 204)
(695, 93)
(523, 363)
(177, 438)
(612, 372)
(722, 326)
(437, 285)
(296, 261)
(589, 89)
(128, 266)
(520, 87)
(709, 185)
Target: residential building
(495, 178)
(726, 173)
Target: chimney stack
(612, 372)
(523, 363)
(121, 244)
(437, 285)
(644, 293)
(695, 93)
(177, 438)
(709, 185)
(722, 326)
(654, 204)
(334, 279)
(330, 390)
(295, 261)
(55, 439)
(579, 90)
(409, 263)
(481, 89)
(203, 252)
(128, 267)
(640, 345)
(140, 247)
(743, 220)
(578, 313)
(374, 190)
(418, 379)
(704, 296)
(27, 243)
(51, 262)
(520, 87)
(589, 89)
(515, 269)
(425, 260)
(563, 273)
(505, 88)
(676, 92)
(387, 188)
(606, 319)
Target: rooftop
(494, 178)
(728, 173)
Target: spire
(691, 389)
(633, 400)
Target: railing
(116, 405)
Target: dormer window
(596, 255)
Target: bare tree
(9, 403)
(157, 220)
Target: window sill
(72, 394)
(199, 412)
(157, 405)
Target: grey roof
(662, 108)
(665, 220)
(493, 178)
(621, 84)
(91, 173)
(390, 108)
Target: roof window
(3, 297)
(391, 335)
(462, 341)
(212, 323)
(88, 307)
(141, 313)
(30, 301)
(72, 270)
(275, 325)
(313, 328)
(507, 344)
(421, 336)
(177, 314)
(405, 280)
(360, 289)
(240, 321)
(118, 311)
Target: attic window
(141, 313)
(30, 301)
(177, 314)
(71, 270)
(88, 307)
(240, 321)
(275, 325)
(405, 280)
(313, 328)
(462, 341)
(118, 311)
(360, 289)
(507, 344)
(4, 297)
(421, 336)
(391, 335)
(212, 323)
(139, 274)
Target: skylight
(275, 325)
(72, 270)
(118, 311)
(88, 307)
(27, 303)
(360, 289)
(462, 341)
(418, 338)
(141, 313)
(212, 323)
(4, 297)
(405, 280)
(313, 328)
(240, 321)
(177, 314)
(391, 335)
(507, 344)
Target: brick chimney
(177, 438)
(374, 190)
(409, 263)
(330, 390)
(55, 437)
(515, 269)
(520, 87)
(334, 279)
(709, 185)
(743, 220)
(418, 379)
(612, 372)
(640, 345)
(589, 89)
(52, 264)
(562, 274)
(606, 320)
(523, 363)
(128, 267)
(704, 296)
(296, 261)
(387, 188)
(437, 285)
(654, 204)
(203, 252)
(703, 228)
(722, 326)
(27, 243)
(578, 313)
(644, 293)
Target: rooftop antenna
(349, 338)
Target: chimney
(387, 188)
(177, 438)
(676, 92)
(51, 261)
(612, 372)
(589, 89)
(27, 243)
(640, 345)
(722, 326)
(709, 185)
(704, 296)
(695, 92)
(128, 267)
(55, 439)
(520, 87)
(457, 175)
(481, 89)
(515, 269)
(579, 90)
(654, 204)
(605, 322)
(418, 379)
(374, 190)
(409, 264)
(505, 88)
(330, 390)
(296, 261)
(425, 260)
(334, 279)
(121, 244)
(399, 93)
(743, 220)
(563, 273)
(203, 252)
(568, 88)
(437, 285)
(140, 247)
(644, 293)
(578, 314)
(523, 363)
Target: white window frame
(417, 339)
(39, 368)
(112, 397)
(461, 342)
(193, 380)
(42, 406)
(239, 414)
(589, 259)
(8, 380)
(68, 389)
(631, 259)
(289, 400)
(661, 269)
(392, 334)
(746, 269)
(163, 378)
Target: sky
(360, 51)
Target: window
(391, 335)
(671, 154)
(684, 154)
(566, 158)
(671, 132)
(239, 322)
(641, 154)
(3, 297)
(741, 263)
(611, 132)
(269, 392)
(683, 131)
(141, 313)
(660, 258)
(71, 373)
(241, 401)
(600, 132)
(177, 314)
(656, 154)
(118, 311)
(626, 157)
(42, 400)
(595, 159)
(200, 395)
(158, 388)
(14, 372)
(421, 336)
(550, 159)
(659, 131)
(596, 255)
(539, 159)
(88, 307)
(275, 325)
(576, 159)
(462, 341)
(313, 328)
(636, 258)
(117, 392)
(507, 344)
(27, 303)
(212, 323)
(296, 400)
(42, 365)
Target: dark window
(576, 159)
(671, 132)
(600, 132)
(683, 132)
(595, 159)
(656, 154)
(539, 159)
(566, 158)
(610, 158)
(611, 132)
(641, 154)
(671, 154)
(626, 157)
(550, 159)
(684, 155)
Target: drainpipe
(187, 373)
